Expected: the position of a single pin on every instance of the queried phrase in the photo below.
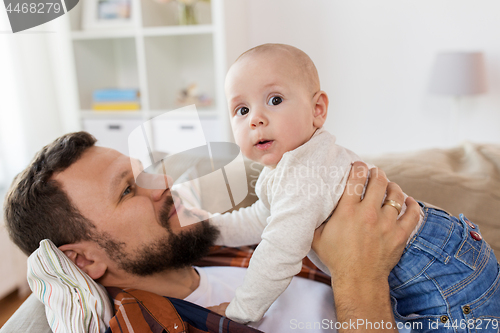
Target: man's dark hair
(37, 208)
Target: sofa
(465, 179)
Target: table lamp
(458, 74)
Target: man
(84, 198)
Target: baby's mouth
(264, 144)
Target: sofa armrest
(30, 317)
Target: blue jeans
(448, 278)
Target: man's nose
(258, 118)
(156, 194)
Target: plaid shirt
(145, 312)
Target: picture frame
(108, 14)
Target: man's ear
(87, 257)
(320, 102)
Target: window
(12, 141)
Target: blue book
(112, 95)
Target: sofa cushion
(465, 179)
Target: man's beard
(171, 252)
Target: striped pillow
(73, 301)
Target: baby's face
(271, 110)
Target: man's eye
(127, 191)
(242, 111)
(275, 100)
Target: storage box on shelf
(164, 61)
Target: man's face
(271, 109)
(139, 228)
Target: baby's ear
(320, 101)
(86, 257)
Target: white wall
(374, 60)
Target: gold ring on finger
(394, 204)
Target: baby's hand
(219, 309)
(200, 213)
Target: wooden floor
(9, 305)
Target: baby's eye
(242, 111)
(275, 100)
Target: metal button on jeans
(444, 319)
(466, 309)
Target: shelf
(173, 63)
(170, 64)
(103, 34)
(205, 113)
(104, 63)
(86, 114)
(179, 30)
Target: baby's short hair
(304, 64)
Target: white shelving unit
(158, 57)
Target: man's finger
(409, 219)
(394, 193)
(355, 183)
(377, 187)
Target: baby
(277, 111)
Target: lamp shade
(458, 74)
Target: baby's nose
(258, 119)
(257, 123)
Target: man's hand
(362, 236)
(219, 309)
(362, 242)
